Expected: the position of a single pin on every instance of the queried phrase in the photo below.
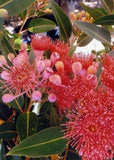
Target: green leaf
(95, 13)
(54, 119)
(94, 31)
(47, 142)
(17, 6)
(108, 5)
(84, 39)
(29, 121)
(106, 20)
(6, 48)
(4, 2)
(1, 23)
(72, 50)
(7, 131)
(17, 103)
(63, 21)
(3, 114)
(16, 158)
(40, 25)
(2, 154)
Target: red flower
(85, 60)
(41, 43)
(60, 47)
(90, 128)
(107, 76)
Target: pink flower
(21, 77)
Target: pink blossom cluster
(72, 83)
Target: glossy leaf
(47, 142)
(63, 21)
(106, 20)
(6, 48)
(7, 131)
(40, 25)
(84, 39)
(16, 158)
(4, 2)
(26, 125)
(72, 50)
(2, 153)
(54, 119)
(1, 23)
(17, 6)
(108, 5)
(95, 13)
(3, 114)
(94, 31)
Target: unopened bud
(92, 80)
(36, 95)
(76, 67)
(23, 46)
(52, 97)
(54, 57)
(55, 79)
(11, 56)
(2, 60)
(59, 66)
(47, 62)
(3, 13)
(40, 65)
(47, 72)
(6, 98)
(5, 75)
(92, 69)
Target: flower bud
(55, 79)
(52, 97)
(5, 75)
(36, 95)
(40, 65)
(54, 57)
(23, 46)
(2, 60)
(47, 72)
(47, 62)
(21, 59)
(92, 80)
(6, 98)
(11, 56)
(76, 67)
(3, 13)
(59, 66)
(92, 69)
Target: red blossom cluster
(71, 83)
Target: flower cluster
(73, 85)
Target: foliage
(49, 94)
